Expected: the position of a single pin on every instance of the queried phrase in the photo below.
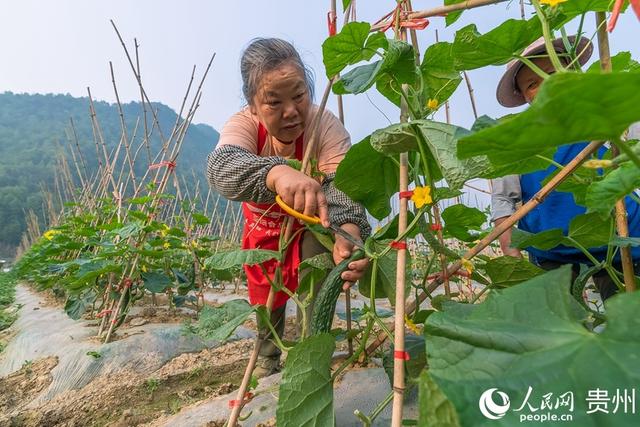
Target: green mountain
(34, 129)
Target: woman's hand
(299, 191)
(342, 249)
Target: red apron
(262, 228)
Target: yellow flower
(49, 234)
(467, 265)
(595, 164)
(552, 3)
(422, 196)
(432, 104)
(144, 268)
(194, 244)
(166, 245)
(164, 230)
(411, 326)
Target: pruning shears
(316, 220)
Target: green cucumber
(325, 304)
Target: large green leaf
(590, 230)
(620, 62)
(602, 195)
(442, 140)
(507, 271)
(544, 240)
(156, 282)
(368, 177)
(578, 7)
(500, 45)
(394, 139)
(452, 17)
(306, 389)
(352, 45)
(398, 65)
(569, 107)
(439, 75)
(435, 410)
(530, 339)
(239, 257)
(459, 220)
(359, 79)
(77, 305)
(218, 323)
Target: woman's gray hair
(264, 55)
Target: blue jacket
(559, 208)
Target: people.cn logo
(490, 408)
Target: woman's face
(282, 102)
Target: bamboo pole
(437, 11)
(310, 151)
(622, 225)
(538, 198)
(401, 262)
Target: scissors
(316, 220)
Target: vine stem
(546, 32)
(622, 225)
(309, 153)
(500, 229)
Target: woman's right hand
(299, 191)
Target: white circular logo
(490, 408)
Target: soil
(125, 399)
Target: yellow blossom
(166, 245)
(432, 104)
(194, 244)
(144, 268)
(411, 326)
(467, 265)
(164, 230)
(552, 3)
(49, 234)
(595, 164)
(422, 196)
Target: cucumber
(325, 304)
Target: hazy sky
(63, 46)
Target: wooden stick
(538, 198)
(439, 11)
(471, 97)
(401, 262)
(309, 149)
(622, 225)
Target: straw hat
(508, 94)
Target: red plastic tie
(415, 24)
(402, 355)
(405, 194)
(331, 23)
(103, 313)
(398, 244)
(235, 402)
(169, 164)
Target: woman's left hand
(342, 249)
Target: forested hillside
(35, 128)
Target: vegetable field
(465, 336)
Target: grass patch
(7, 297)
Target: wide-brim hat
(508, 94)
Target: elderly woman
(250, 164)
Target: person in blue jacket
(519, 85)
